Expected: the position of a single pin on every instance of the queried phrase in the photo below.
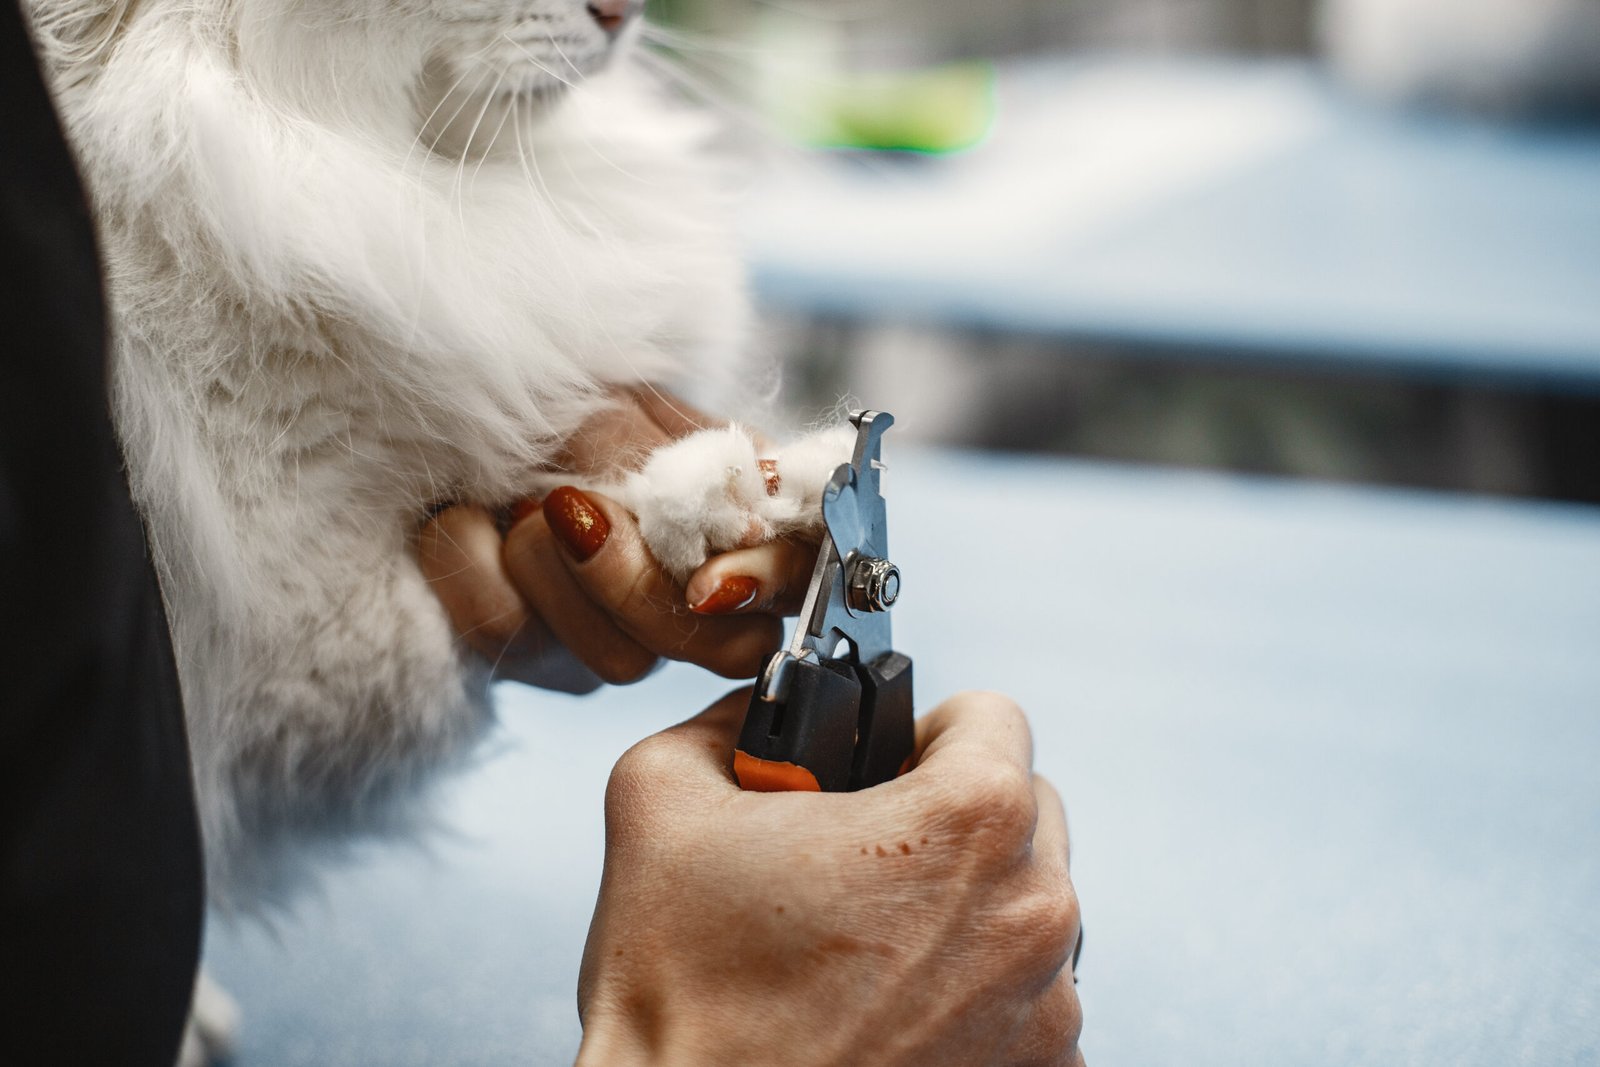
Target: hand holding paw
(695, 556)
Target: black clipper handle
(842, 727)
(887, 731)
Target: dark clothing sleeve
(100, 875)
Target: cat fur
(336, 303)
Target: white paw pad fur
(714, 491)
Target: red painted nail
(769, 472)
(580, 526)
(523, 508)
(732, 594)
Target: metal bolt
(874, 584)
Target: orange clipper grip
(772, 776)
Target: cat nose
(612, 15)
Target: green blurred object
(936, 110)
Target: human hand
(927, 921)
(569, 596)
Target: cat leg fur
(208, 1035)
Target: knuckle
(1003, 711)
(643, 760)
(1051, 1036)
(638, 595)
(498, 627)
(522, 538)
(1046, 925)
(636, 780)
(621, 663)
(997, 804)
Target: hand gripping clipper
(832, 712)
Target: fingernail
(732, 594)
(577, 523)
(523, 508)
(769, 473)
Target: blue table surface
(1231, 208)
(1330, 757)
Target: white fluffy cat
(364, 255)
(1492, 55)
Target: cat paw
(698, 496)
(713, 491)
(803, 468)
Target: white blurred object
(1074, 151)
(1505, 56)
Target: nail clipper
(833, 711)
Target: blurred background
(1342, 239)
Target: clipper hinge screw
(874, 584)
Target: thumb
(712, 734)
(694, 756)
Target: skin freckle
(863, 850)
(839, 946)
(842, 945)
(905, 849)
(924, 840)
(778, 909)
(881, 852)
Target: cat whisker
(535, 176)
(587, 142)
(670, 402)
(422, 127)
(522, 160)
(466, 149)
(495, 666)
(494, 138)
(565, 59)
(466, 99)
(519, 46)
(577, 224)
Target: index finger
(778, 572)
(624, 581)
(975, 725)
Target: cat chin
(544, 91)
(503, 64)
